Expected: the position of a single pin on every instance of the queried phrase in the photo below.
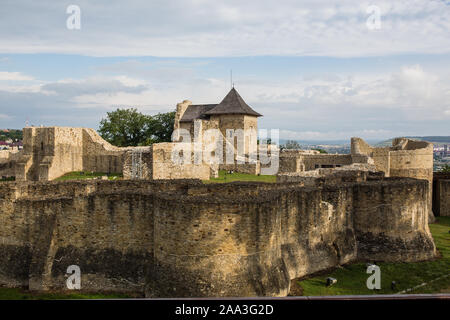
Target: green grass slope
(80, 175)
(351, 279)
(224, 177)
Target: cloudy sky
(316, 70)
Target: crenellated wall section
(186, 239)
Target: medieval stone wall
(304, 160)
(166, 167)
(352, 173)
(183, 238)
(168, 160)
(50, 152)
(179, 112)
(7, 155)
(444, 194)
(406, 158)
(312, 162)
(99, 155)
(138, 163)
(390, 222)
(441, 194)
(248, 167)
(8, 160)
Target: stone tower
(233, 117)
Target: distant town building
(442, 150)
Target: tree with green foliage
(320, 150)
(128, 127)
(160, 128)
(13, 134)
(445, 168)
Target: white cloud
(409, 100)
(14, 76)
(70, 88)
(130, 82)
(21, 88)
(232, 28)
(409, 93)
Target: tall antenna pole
(231, 78)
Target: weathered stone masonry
(441, 194)
(50, 152)
(234, 239)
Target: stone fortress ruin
(162, 232)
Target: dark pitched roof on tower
(233, 104)
(196, 111)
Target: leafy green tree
(124, 127)
(445, 168)
(128, 127)
(320, 150)
(160, 128)
(12, 134)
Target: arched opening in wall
(42, 146)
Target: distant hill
(324, 142)
(437, 140)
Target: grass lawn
(78, 175)
(224, 177)
(19, 294)
(352, 279)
